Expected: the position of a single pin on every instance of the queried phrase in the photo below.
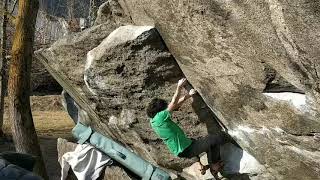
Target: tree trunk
(24, 134)
(3, 64)
(70, 5)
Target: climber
(174, 137)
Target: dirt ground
(51, 122)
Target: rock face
(116, 173)
(115, 82)
(49, 29)
(112, 12)
(60, 7)
(226, 49)
(223, 48)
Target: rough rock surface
(121, 75)
(116, 173)
(49, 29)
(224, 49)
(112, 12)
(116, 82)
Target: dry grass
(48, 117)
(51, 122)
(48, 123)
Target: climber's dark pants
(209, 144)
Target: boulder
(64, 146)
(224, 47)
(17, 166)
(116, 80)
(227, 50)
(49, 28)
(120, 77)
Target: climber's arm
(186, 97)
(175, 99)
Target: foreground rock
(17, 166)
(111, 172)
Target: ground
(51, 122)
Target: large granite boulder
(224, 49)
(115, 81)
(231, 52)
(120, 76)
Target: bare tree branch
(14, 6)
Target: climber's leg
(195, 149)
(214, 158)
(209, 144)
(201, 145)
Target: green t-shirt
(171, 134)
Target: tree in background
(3, 63)
(6, 18)
(23, 130)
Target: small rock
(116, 173)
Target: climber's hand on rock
(182, 82)
(192, 92)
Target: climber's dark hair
(156, 105)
